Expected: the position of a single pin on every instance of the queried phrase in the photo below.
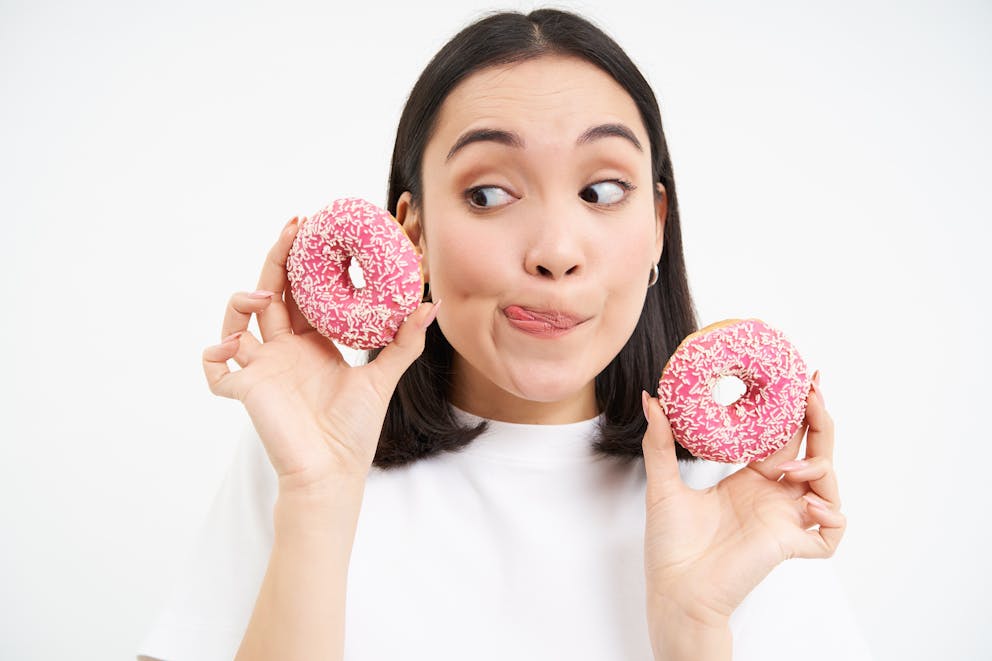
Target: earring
(427, 293)
(654, 275)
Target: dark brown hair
(419, 420)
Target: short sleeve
(210, 604)
(800, 610)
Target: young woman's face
(541, 257)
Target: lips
(541, 320)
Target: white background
(831, 163)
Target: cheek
(462, 261)
(471, 279)
(625, 300)
(626, 260)
(625, 274)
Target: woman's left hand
(705, 550)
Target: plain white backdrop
(831, 164)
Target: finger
(297, 321)
(239, 310)
(245, 347)
(408, 343)
(220, 379)
(658, 446)
(823, 542)
(274, 320)
(820, 442)
(769, 466)
(819, 474)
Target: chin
(546, 386)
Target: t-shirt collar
(558, 443)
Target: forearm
(300, 610)
(675, 636)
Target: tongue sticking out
(520, 314)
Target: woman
(493, 448)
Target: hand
(318, 417)
(705, 550)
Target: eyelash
(623, 183)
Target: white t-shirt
(524, 545)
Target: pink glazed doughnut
(317, 267)
(763, 419)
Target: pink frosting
(763, 420)
(317, 267)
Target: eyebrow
(511, 139)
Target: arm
(705, 550)
(677, 636)
(300, 611)
(295, 385)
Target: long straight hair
(419, 420)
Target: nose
(555, 248)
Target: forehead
(550, 97)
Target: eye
(608, 196)
(478, 196)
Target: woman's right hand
(318, 417)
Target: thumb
(408, 343)
(660, 460)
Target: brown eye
(612, 194)
(480, 195)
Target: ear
(409, 218)
(660, 214)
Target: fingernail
(792, 465)
(819, 393)
(232, 336)
(644, 403)
(261, 293)
(432, 315)
(816, 377)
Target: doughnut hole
(355, 273)
(728, 389)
